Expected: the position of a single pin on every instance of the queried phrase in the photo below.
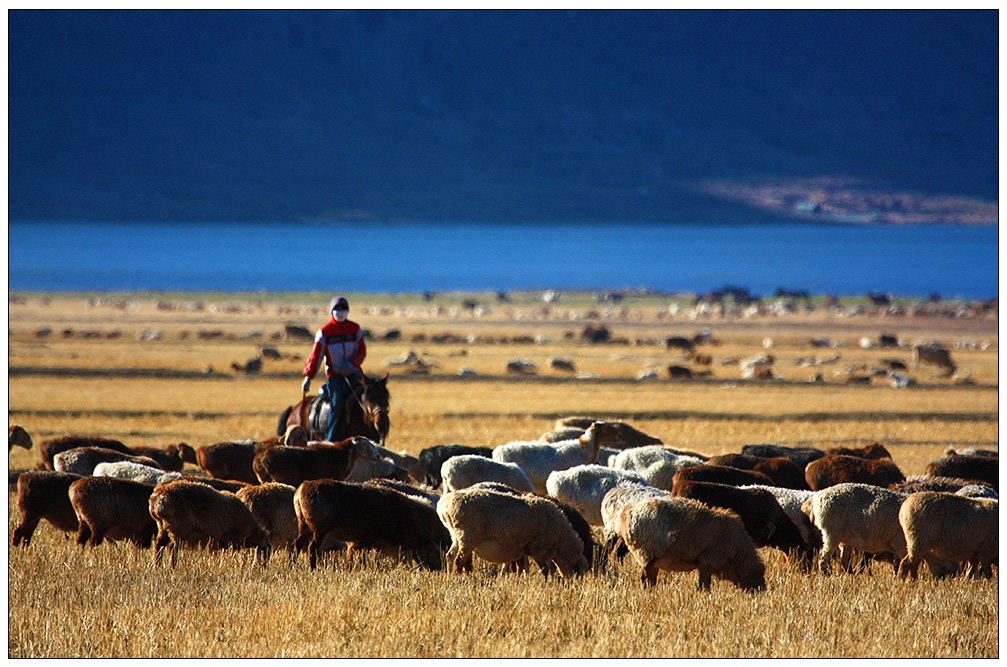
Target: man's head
(339, 307)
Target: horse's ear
(385, 378)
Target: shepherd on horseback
(342, 343)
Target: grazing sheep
(980, 468)
(81, 461)
(538, 459)
(44, 494)
(367, 517)
(576, 519)
(229, 485)
(461, 472)
(802, 456)
(611, 506)
(791, 501)
(584, 487)
(196, 514)
(680, 535)
(364, 470)
(657, 465)
(432, 458)
(560, 435)
(233, 460)
(977, 491)
(837, 469)
(134, 471)
(763, 517)
(719, 475)
(780, 469)
(168, 458)
(627, 436)
(420, 492)
(504, 528)
(16, 435)
(410, 464)
(874, 450)
(319, 460)
(114, 508)
(272, 505)
(50, 448)
(857, 516)
(972, 451)
(944, 527)
(917, 483)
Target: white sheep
(977, 491)
(857, 516)
(657, 465)
(461, 472)
(136, 472)
(584, 487)
(505, 528)
(945, 528)
(538, 459)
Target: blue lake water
(953, 261)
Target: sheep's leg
(23, 533)
(175, 546)
(649, 575)
(303, 540)
(83, 533)
(313, 551)
(97, 535)
(705, 578)
(909, 566)
(162, 541)
(828, 549)
(846, 558)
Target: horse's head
(375, 404)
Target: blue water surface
(953, 261)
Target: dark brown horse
(366, 415)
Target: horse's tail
(282, 426)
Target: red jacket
(344, 348)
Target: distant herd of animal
(581, 494)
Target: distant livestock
(680, 535)
(874, 451)
(934, 354)
(943, 527)
(837, 469)
(44, 494)
(627, 436)
(504, 528)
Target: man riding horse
(342, 343)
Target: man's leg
(336, 387)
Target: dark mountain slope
(540, 116)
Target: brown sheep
(50, 448)
(82, 460)
(114, 508)
(319, 460)
(802, 456)
(506, 527)
(367, 517)
(230, 485)
(272, 505)
(192, 513)
(680, 535)
(918, 483)
(835, 469)
(940, 527)
(16, 435)
(233, 460)
(719, 475)
(780, 469)
(168, 458)
(626, 436)
(44, 494)
(981, 468)
(874, 450)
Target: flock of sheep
(547, 501)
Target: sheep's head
(876, 451)
(186, 453)
(365, 449)
(295, 436)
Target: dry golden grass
(112, 602)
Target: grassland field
(157, 369)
